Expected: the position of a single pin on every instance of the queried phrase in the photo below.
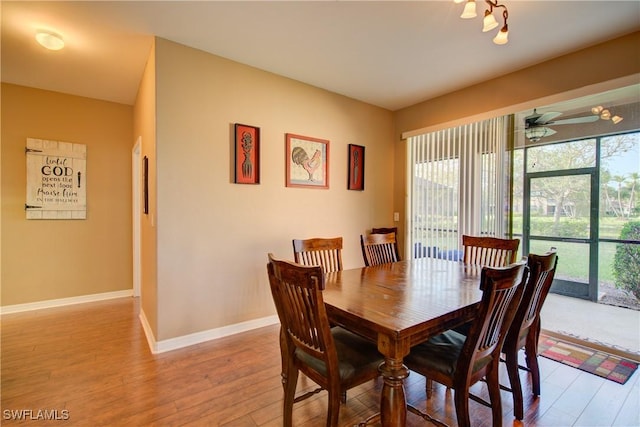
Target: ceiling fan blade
(575, 120)
(546, 117)
(550, 132)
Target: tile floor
(605, 325)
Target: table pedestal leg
(393, 404)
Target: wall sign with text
(56, 180)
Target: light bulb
(597, 110)
(489, 21)
(469, 10)
(605, 115)
(502, 37)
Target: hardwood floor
(89, 365)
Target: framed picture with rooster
(307, 161)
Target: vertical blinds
(458, 185)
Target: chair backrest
(378, 248)
(326, 253)
(489, 251)
(542, 269)
(502, 289)
(384, 230)
(389, 230)
(297, 294)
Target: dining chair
(378, 248)
(333, 358)
(524, 331)
(388, 230)
(489, 251)
(486, 251)
(324, 252)
(458, 361)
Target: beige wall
(615, 59)
(51, 259)
(213, 235)
(602, 67)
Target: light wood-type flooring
(90, 365)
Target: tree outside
(626, 263)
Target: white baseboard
(198, 337)
(148, 331)
(17, 308)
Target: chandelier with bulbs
(489, 22)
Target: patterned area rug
(586, 359)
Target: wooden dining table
(399, 305)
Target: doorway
(577, 197)
(561, 211)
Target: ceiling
(391, 54)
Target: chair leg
(461, 399)
(531, 357)
(429, 388)
(514, 380)
(289, 395)
(283, 357)
(334, 408)
(494, 393)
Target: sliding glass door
(579, 197)
(559, 207)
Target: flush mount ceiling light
(489, 22)
(605, 114)
(49, 39)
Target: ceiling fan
(536, 125)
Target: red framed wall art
(356, 167)
(247, 154)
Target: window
(458, 184)
(580, 196)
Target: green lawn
(574, 257)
